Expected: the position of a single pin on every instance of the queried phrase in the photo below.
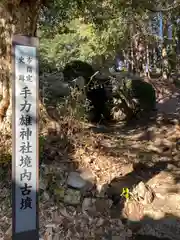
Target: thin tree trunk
(147, 62)
(132, 57)
(20, 19)
(165, 61)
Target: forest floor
(82, 177)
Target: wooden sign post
(25, 160)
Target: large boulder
(76, 69)
(53, 88)
(132, 95)
(142, 92)
(80, 73)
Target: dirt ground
(142, 156)
(153, 146)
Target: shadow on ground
(165, 225)
(168, 112)
(59, 156)
(143, 225)
(58, 161)
(164, 228)
(144, 221)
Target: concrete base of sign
(26, 235)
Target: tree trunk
(165, 62)
(147, 62)
(132, 57)
(21, 19)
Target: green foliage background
(80, 40)
(89, 30)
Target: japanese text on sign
(26, 134)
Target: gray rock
(103, 205)
(84, 180)
(72, 197)
(88, 204)
(60, 89)
(59, 192)
(42, 184)
(144, 193)
(75, 180)
(51, 226)
(56, 84)
(46, 196)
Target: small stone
(75, 180)
(47, 235)
(47, 169)
(144, 193)
(110, 203)
(102, 205)
(42, 184)
(100, 222)
(101, 190)
(49, 229)
(129, 233)
(72, 197)
(88, 204)
(51, 226)
(60, 192)
(46, 196)
(133, 211)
